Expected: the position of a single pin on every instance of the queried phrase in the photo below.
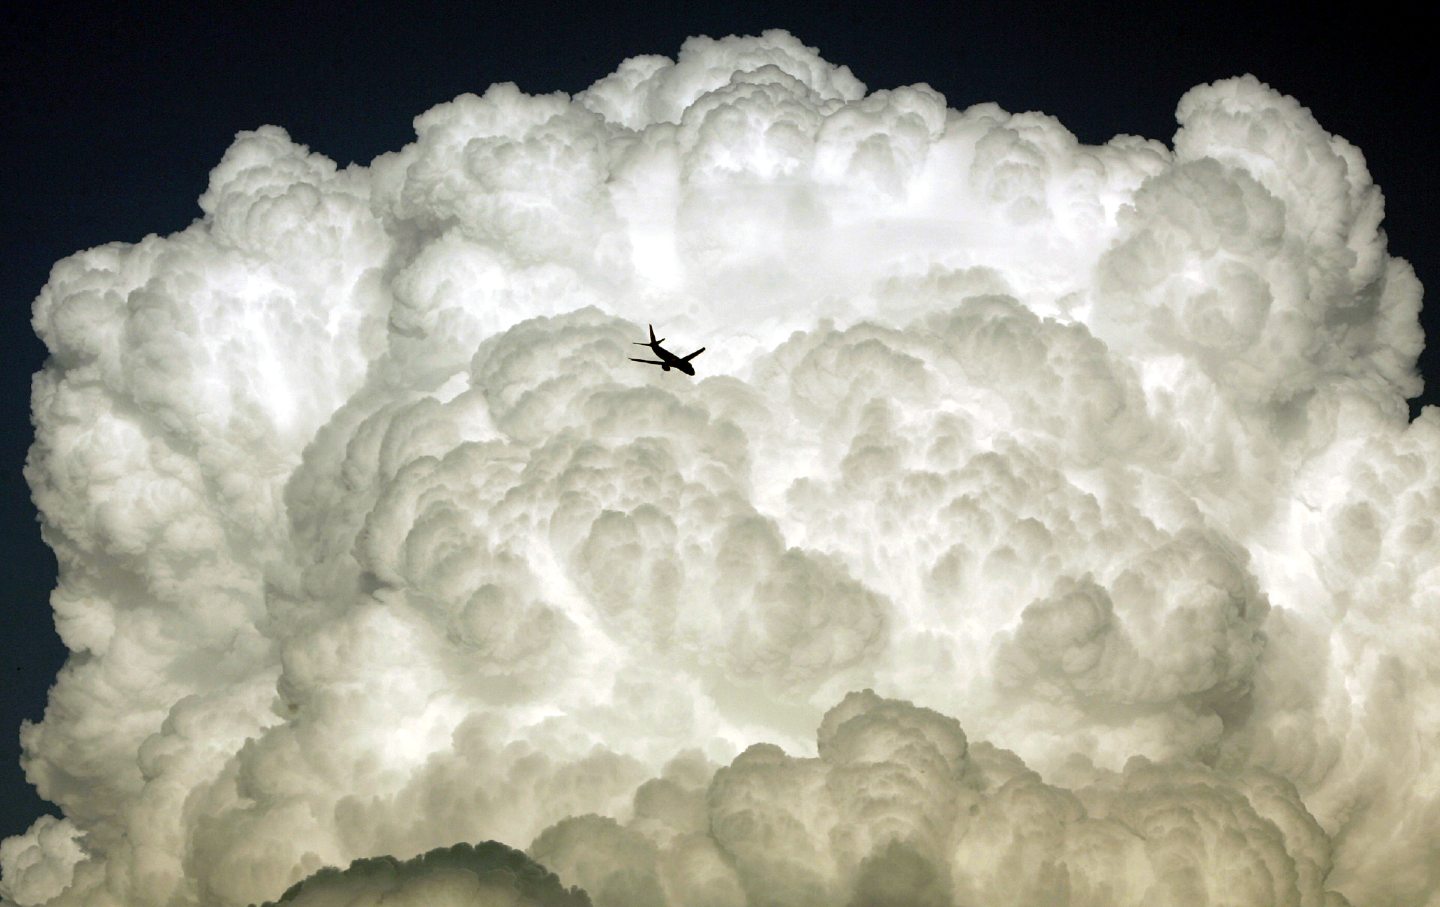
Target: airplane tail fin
(653, 341)
(694, 354)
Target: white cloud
(373, 541)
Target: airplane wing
(693, 355)
(651, 361)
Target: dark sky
(113, 119)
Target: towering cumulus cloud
(1043, 527)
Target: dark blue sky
(114, 118)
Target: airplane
(667, 360)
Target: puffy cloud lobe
(38, 866)
(1202, 617)
(651, 90)
(1260, 252)
(898, 808)
(485, 875)
(372, 540)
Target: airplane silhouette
(667, 360)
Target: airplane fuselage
(669, 360)
(666, 359)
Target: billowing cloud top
(372, 540)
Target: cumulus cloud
(899, 808)
(373, 541)
(487, 875)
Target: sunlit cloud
(1042, 523)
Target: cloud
(484, 875)
(899, 808)
(373, 541)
